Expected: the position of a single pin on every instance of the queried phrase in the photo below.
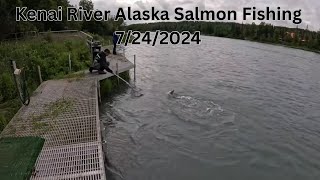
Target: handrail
(70, 31)
(62, 31)
(35, 33)
(22, 32)
(88, 35)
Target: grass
(53, 58)
(7, 111)
(108, 86)
(60, 106)
(18, 156)
(76, 76)
(105, 40)
(53, 110)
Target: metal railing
(24, 35)
(17, 36)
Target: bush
(51, 56)
(7, 90)
(48, 37)
(108, 86)
(3, 122)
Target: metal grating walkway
(65, 113)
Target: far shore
(276, 44)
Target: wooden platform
(123, 65)
(65, 113)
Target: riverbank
(265, 33)
(65, 112)
(49, 51)
(284, 44)
(50, 54)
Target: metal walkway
(65, 113)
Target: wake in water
(198, 111)
(197, 104)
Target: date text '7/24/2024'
(158, 37)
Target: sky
(309, 8)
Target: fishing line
(136, 91)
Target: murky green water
(243, 110)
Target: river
(242, 110)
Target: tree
(86, 4)
(7, 18)
(276, 35)
(318, 39)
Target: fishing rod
(125, 81)
(132, 87)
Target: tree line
(10, 26)
(263, 32)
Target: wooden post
(134, 68)
(14, 65)
(39, 73)
(117, 72)
(69, 63)
(99, 92)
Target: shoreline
(270, 43)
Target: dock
(66, 114)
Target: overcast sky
(310, 8)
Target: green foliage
(7, 90)
(72, 76)
(7, 111)
(52, 57)
(52, 111)
(68, 45)
(18, 156)
(108, 86)
(105, 40)
(3, 121)
(9, 108)
(48, 37)
(86, 4)
(125, 75)
(11, 29)
(46, 52)
(9, 25)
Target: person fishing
(102, 60)
(115, 39)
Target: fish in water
(172, 94)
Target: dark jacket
(103, 59)
(115, 38)
(104, 64)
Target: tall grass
(53, 58)
(108, 86)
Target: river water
(242, 110)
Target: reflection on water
(240, 110)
